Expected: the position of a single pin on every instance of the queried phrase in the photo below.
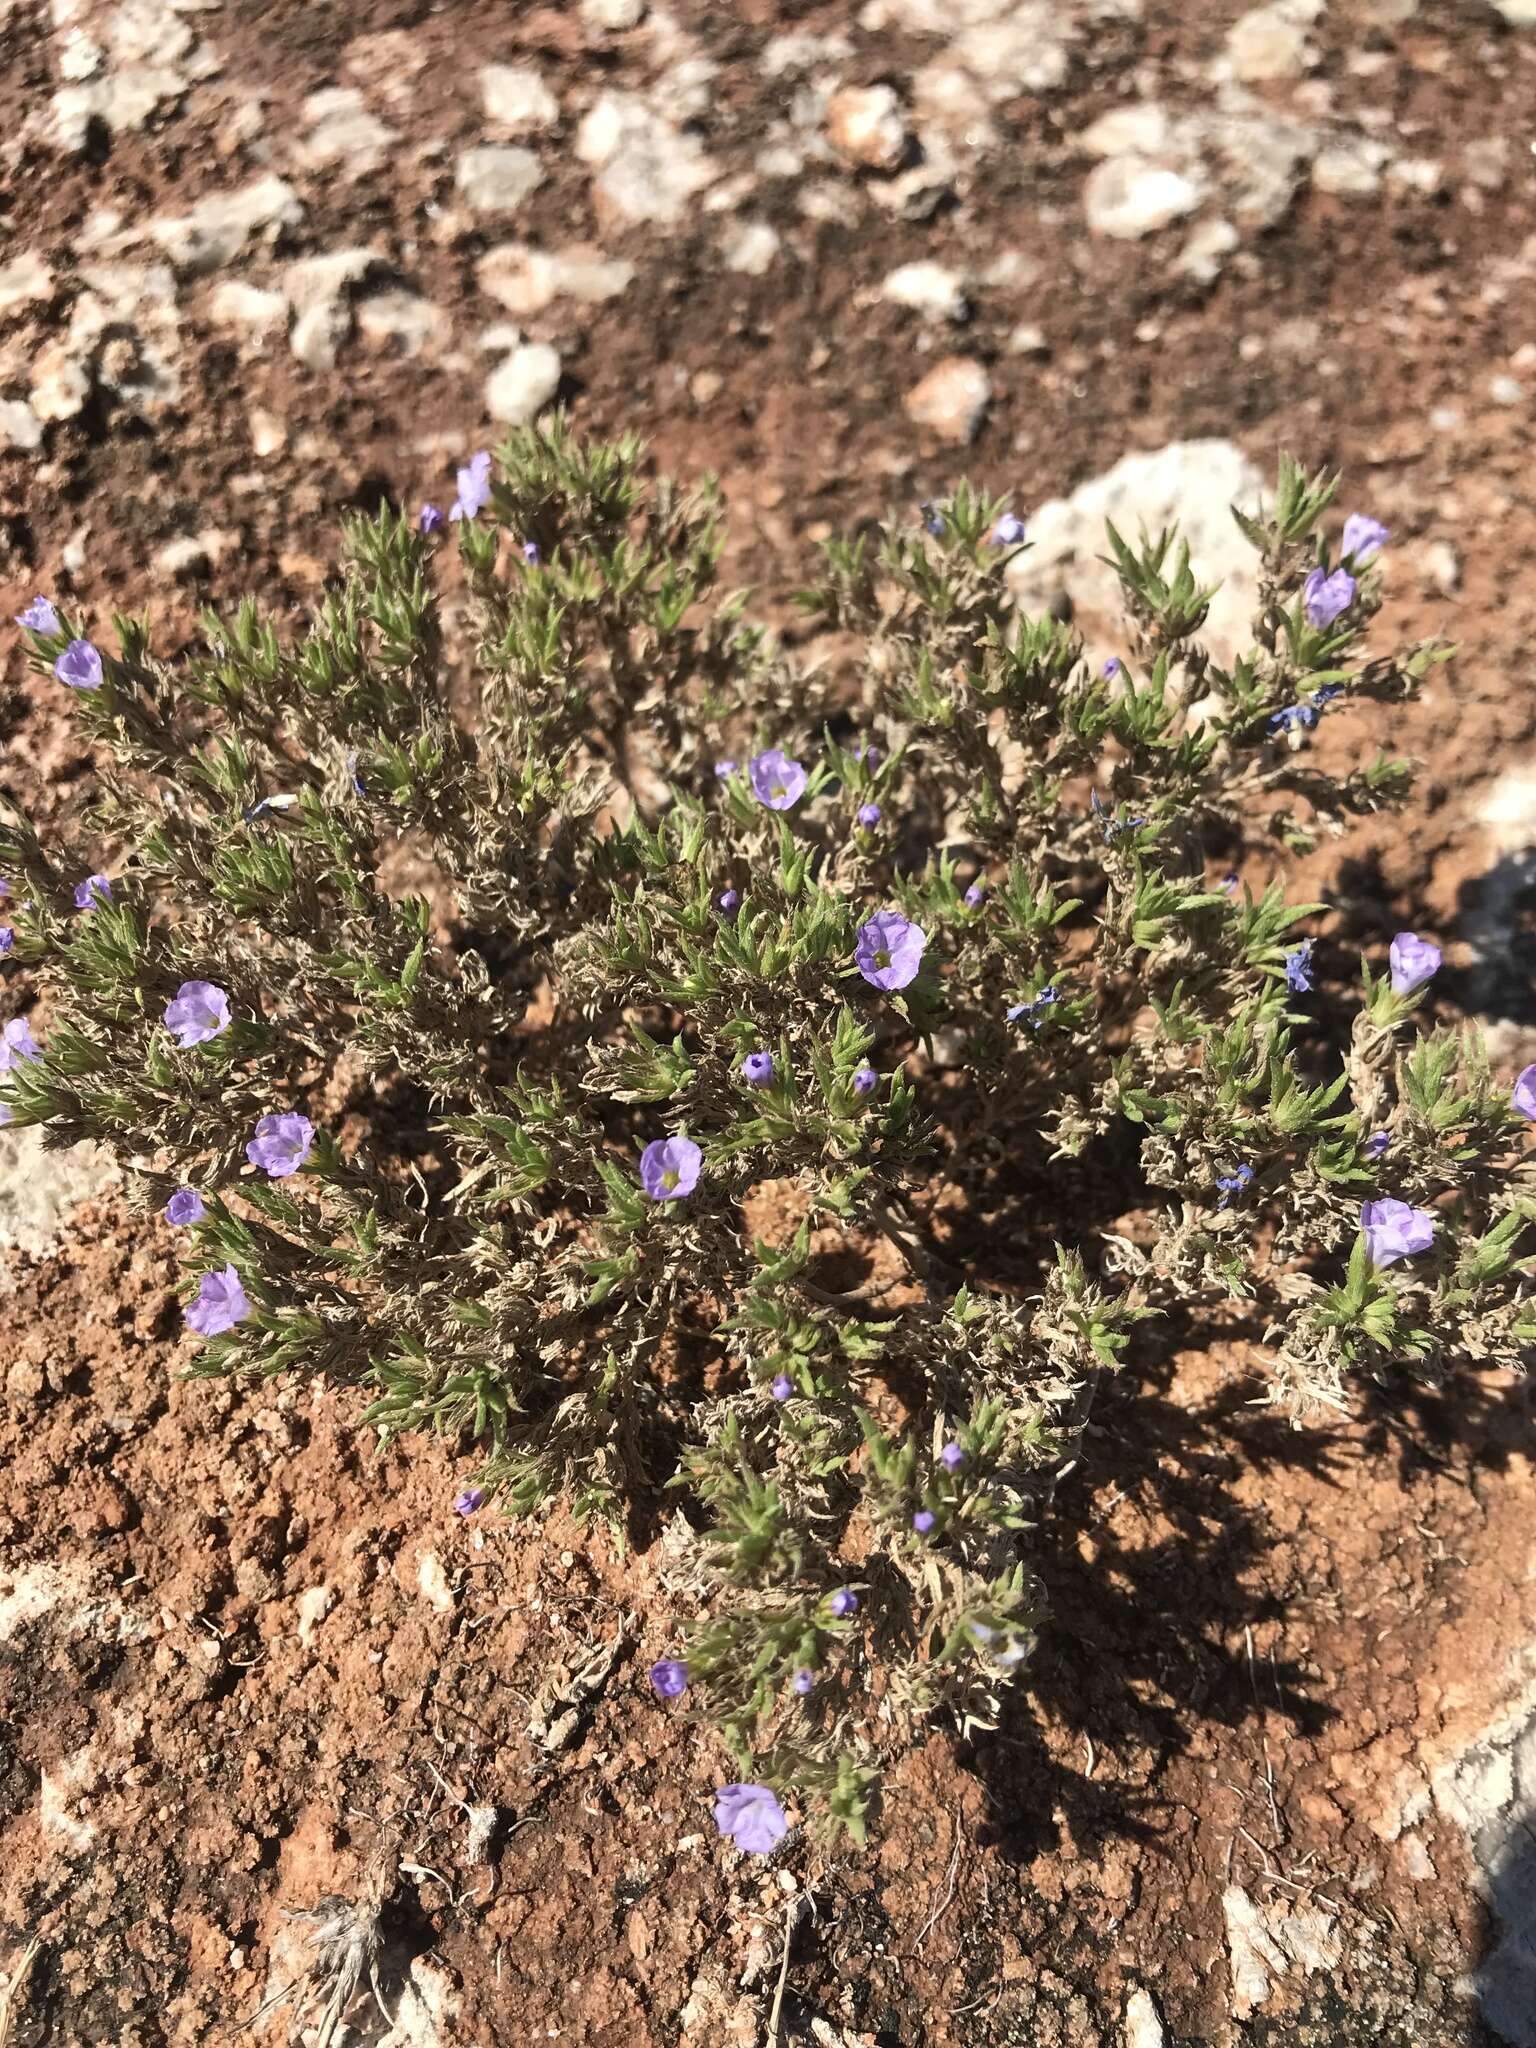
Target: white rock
(20, 427)
(190, 553)
(1487, 161)
(952, 399)
(79, 56)
(1028, 340)
(268, 434)
(1502, 390)
(526, 280)
(147, 32)
(1270, 42)
(219, 227)
(121, 100)
(1424, 174)
(402, 320)
(518, 390)
(515, 96)
(867, 126)
(613, 15)
(433, 1581)
(1209, 242)
(1518, 13)
(1350, 168)
(317, 280)
(927, 288)
(497, 177)
(234, 303)
(315, 1603)
(1127, 197)
(39, 1189)
(24, 279)
(1193, 484)
(751, 248)
(1138, 130)
(61, 384)
(319, 332)
(1263, 156)
(1143, 2028)
(343, 133)
(647, 168)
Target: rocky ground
(1274, 1776)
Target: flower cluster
(645, 1155)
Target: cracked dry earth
(1273, 1776)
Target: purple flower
(890, 950)
(1232, 1184)
(867, 752)
(1111, 826)
(1395, 1230)
(1324, 597)
(79, 666)
(470, 1501)
(669, 1168)
(803, 1680)
(1298, 969)
(751, 1817)
(1008, 532)
(1034, 1011)
(198, 1011)
(725, 768)
(1376, 1144)
(1525, 1093)
(17, 1044)
(729, 900)
(842, 1603)
(975, 896)
(777, 781)
(757, 1067)
(531, 553)
(95, 889)
(1414, 961)
(1111, 668)
(281, 1144)
(865, 1079)
(219, 1305)
(1364, 538)
(669, 1678)
(922, 1521)
(1293, 718)
(869, 815)
(933, 519)
(951, 1457)
(7, 937)
(782, 1387)
(184, 1207)
(39, 617)
(474, 482)
(430, 519)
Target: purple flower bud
(7, 937)
(782, 1387)
(890, 950)
(531, 553)
(729, 900)
(1008, 532)
(281, 1144)
(1111, 668)
(79, 666)
(951, 1457)
(1376, 1144)
(1395, 1230)
(933, 519)
(975, 896)
(922, 1521)
(1325, 597)
(777, 781)
(17, 1044)
(803, 1681)
(474, 482)
(757, 1067)
(1298, 969)
(1414, 961)
(1364, 538)
(39, 617)
(669, 1678)
(470, 1501)
(185, 1207)
(669, 1168)
(725, 768)
(869, 815)
(1525, 1093)
(843, 1602)
(219, 1305)
(198, 1011)
(430, 519)
(94, 890)
(867, 752)
(1232, 1184)
(865, 1080)
(751, 1817)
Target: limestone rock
(867, 127)
(1127, 197)
(952, 399)
(751, 248)
(518, 390)
(23, 280)
(515, 96)
(220, 226)
(526, 280)
(927, 288)
(343, 134)
(647, 168)
(497, 177)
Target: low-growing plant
(771, 1095)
